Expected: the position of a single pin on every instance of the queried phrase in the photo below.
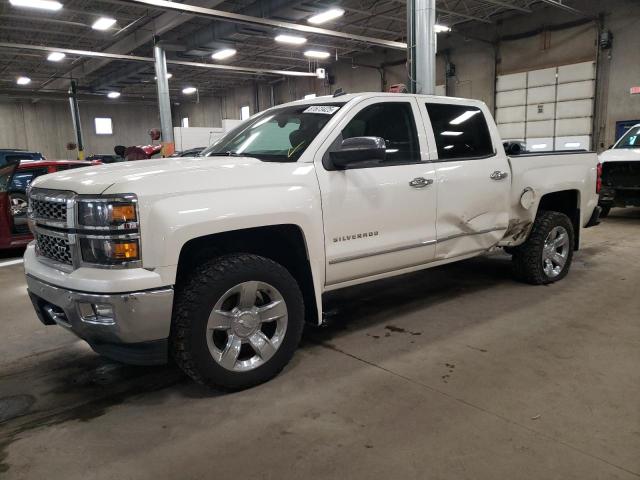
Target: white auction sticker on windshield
(324, 109)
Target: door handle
(420, 182)
(498, 175)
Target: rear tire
(547, 254)
(237, 321)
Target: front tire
(547, 254)
(237, 321)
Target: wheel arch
(567, 202)
(284, 243)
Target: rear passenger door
(472, 175)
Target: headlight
(108, 232)
(108, 213)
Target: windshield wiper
(225, 154)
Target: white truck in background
(217, 261)
(621, 172)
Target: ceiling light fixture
(325, 16)
(56, 56)
(464, 117)
(223, 54)
(103, 23)
(292, 39)
(441, 28)
(316, 54)
(41, 4)
(23, 81)
(113, 94)
(189, 90)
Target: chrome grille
(54, 248)
(47, 210)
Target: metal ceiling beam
(567, 8)
(508, 5)
(266, 22)
(135, 58)
(162, 24)
(462, 15)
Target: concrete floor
(457, 372)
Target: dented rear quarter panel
(546, 174)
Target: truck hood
(620, 155)
(167, 174)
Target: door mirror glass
(358, 149)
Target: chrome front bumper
(136, 331)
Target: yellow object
(123, 213)
(126, 250)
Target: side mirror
(357, 150)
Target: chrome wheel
(18, 206)
(555, 252)
(247, 326)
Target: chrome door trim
(468, 234)
(401, 248)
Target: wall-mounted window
(245, 112)
(185, 122)
(104, 125)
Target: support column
(75, 116)
(164, 103)
(424, 19)
(411, 46)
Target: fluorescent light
(189, 90)
(56, 56)
(316, 54)
(327, 15)
(293, 39)
(42, 4)
(224, 53)
(448, 133)
(310, 95)
(23, 81)
(538, 146)
(464, 117)
(113, 94)
(441, 28)
(448, 147)
(103, 23)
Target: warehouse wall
(46, 126)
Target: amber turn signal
(126, 250)
(123, 213)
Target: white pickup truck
(217, 261)
(621, 173)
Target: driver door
(379, 216)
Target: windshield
(279, 135)
(631, 139)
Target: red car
(14, 180)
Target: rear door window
(461, 131)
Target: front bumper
(136, 332)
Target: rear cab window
(461, 131)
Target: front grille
(47, 210)
(54, 248)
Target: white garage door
(549, 109)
